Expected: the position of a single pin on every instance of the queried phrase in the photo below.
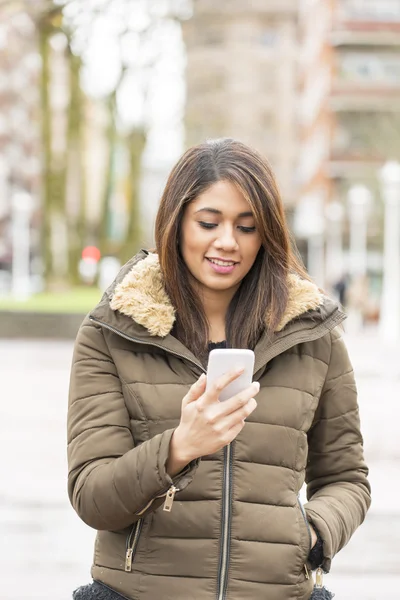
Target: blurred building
(19, 134)
(241, 78)
(350, 105)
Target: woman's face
(219, 241)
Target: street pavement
(45, 551)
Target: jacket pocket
(132, 542)
(306, 525)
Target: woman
(193, 498)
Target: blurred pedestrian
(192, 497)
(340, 289)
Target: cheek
(192, 243)
(251, 249)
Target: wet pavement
(45, 551)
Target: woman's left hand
(313, 536)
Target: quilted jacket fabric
(237, 528)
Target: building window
(370, 68)
(370, 10)
(363, 134)
(269, 38)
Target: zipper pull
(128, 560)
(306, 571)
(319, 578)
(169, 499)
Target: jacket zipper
(303, 513)
(131, 544)
(222, 580)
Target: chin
(220, 286)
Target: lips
(222, 262)
(222, 267)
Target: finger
(233, 432)
(239, 400)
(196, 390)
(238, 416)
(221, 383)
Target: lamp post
(359, 201)
(334, 213)
(389, 325)
(20, 233)
(309, 224)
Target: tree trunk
(46, 143)
(104, 224)
(54, 167)
(136, 144)
(76, 222)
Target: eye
(207, 225)
(247, 229)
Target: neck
(216, 304)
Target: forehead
(222, 196)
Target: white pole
(309, 224)
(390, 305)
(315, 258)
(21, 212)
(359, 198)
(334, 213)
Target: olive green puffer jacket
(234, 527)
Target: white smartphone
(222, 360)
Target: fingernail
(202, 377)
(256, 384)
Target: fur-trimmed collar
(141, 295)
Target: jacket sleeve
(337, 487)
(111, 483)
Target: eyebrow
(218, 212)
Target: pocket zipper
(134, 534)
(303, 513)
(169, 495)
(132, 543)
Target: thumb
(196, 390)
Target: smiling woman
(145, 430)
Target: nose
(226, 240)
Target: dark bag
(97, 591)
(100, 591)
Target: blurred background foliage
(84, 184)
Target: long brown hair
(264, 290)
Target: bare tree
(137, 25)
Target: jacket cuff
(182, 479)
(318, 522)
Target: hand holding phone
(206, 423)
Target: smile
(222, 263)
(222, 267)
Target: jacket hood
(139, 293)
